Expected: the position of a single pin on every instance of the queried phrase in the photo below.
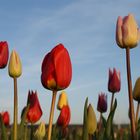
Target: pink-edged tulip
(64, 117)
(15, 66)
(102, 103)
(56, 69)
(4, 54)
(6, 117)
(35, 112)
(114, 82)
(127, 32)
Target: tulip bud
(34, 113)
(136, 90)
(127, 32)
(4, 54)
(102, 103)
(56, 69)
(64, 117)
(41, 131)
(62, 100)
(114, 82)
(15, 67)
(91, 120)
(6, 117)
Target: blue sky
(87, 30)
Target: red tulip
(102, 103)
(4, 54)
(35, 112)
(64, 117)
(56, 69)
(5, 116)
(114, 82)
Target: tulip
(56, 75)
(6, 118)
(62, 100)
(114, 82)
(127, 32)
(91, 120)
(136, 96)
(34, 113)
(4, 54)
(102, 103)
(40, 132)
(56, 69)
(15, 67)
(136, 90)
(64, 117)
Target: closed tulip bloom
(35, 112)
(136, 90)
(62, 100)
(15, 67)
(91, 120)
(41, 131)
(6, 117)
(127, 32)
(4, 54)
(56, 69)
(114, 82)
(102, 103)
(64, 117)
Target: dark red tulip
(102, 103)
(35, 112)
(114, 82)
(64, 117)
(4, 54)
(6, 117)
(56, 69)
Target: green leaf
(85, 127)
(3, 130)
(104, 121)
(109, 134)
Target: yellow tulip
(91, 120)
(15, 67)
(40, 132)
(127, 32)
(62, 100)
(136, 90)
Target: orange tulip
(34, 113)
(4, 54)
(56, 69)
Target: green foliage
(85, 126)
(109, 134)
(3, 130)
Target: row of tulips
(56, 75)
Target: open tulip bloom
(128, 36)
(56, 75)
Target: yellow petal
(130, 32)
(91, 120)
(136, 90)
(62, 100)
(14, 67)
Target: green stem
(112, 100)
(15, 109)
(51, 115)
(131, 105)
(31, 134)
(100, 123)
(137, 113)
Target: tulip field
(56, 75)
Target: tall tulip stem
(51, 115)
(131, 105)
(137, 113)
(15, 109)
(100, 122)
(112, 100)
